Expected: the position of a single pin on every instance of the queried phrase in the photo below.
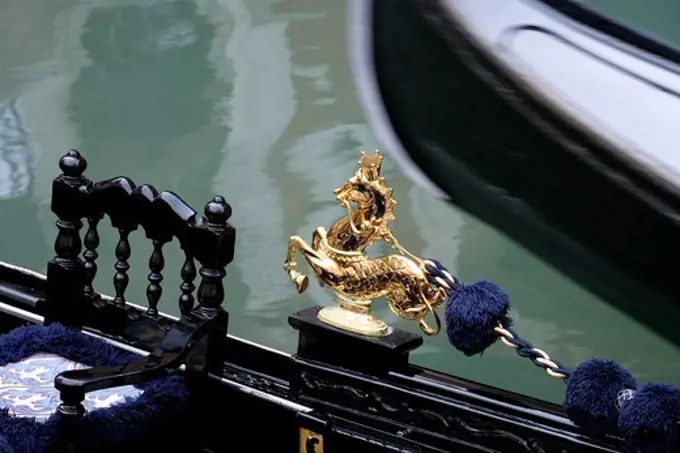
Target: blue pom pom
(649, 421)
(592, 390)
(472, 313)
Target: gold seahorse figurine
(338, 259)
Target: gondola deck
(414, 408)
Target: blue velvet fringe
(5, 447)
(649, 421)
(153, 415)
(590, 398)
(472, 312)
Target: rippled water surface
(657, 18)
(255, 100)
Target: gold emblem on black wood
(338, 259)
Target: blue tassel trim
(472, 313)
(591, 395)
(476, 316)
(649, 420)
(601, 397)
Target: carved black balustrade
(198, 339)
(71, 297)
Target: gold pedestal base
(361, 323)
(354, 316)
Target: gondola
(543, 118)
(84, 372)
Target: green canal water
(656, 18)
(254, 100)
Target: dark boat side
(447, 101)
(340, 392)
(262, 391)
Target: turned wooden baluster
(158, 228)
(64, 298)
(215, 254)
(155, 290)
(71, 411)
(121, 280)
(163, 216)
(113, 197)
(188, 274)
(90, 255)
(214, 241)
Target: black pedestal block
(322, 342)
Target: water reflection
(259, 110)
(144, 109)
(658, 18)
(145, 85)
(15, 155)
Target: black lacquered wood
(164, 218)
(373, 355)
(114, 198)
(197, 340)
(65, 297)
(90, 255)
(411, 408)
(188, 274)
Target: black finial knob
(217, 211)
(72, 164)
